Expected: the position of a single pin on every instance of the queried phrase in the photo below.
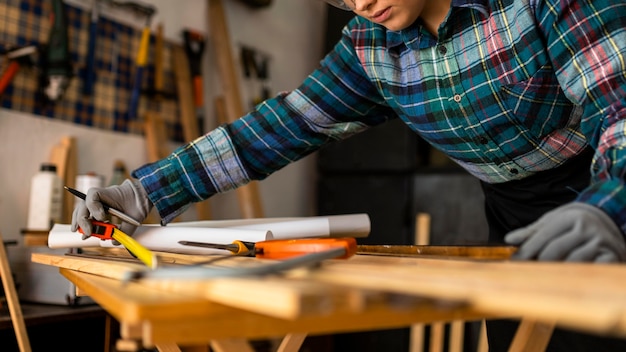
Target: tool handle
(139, 251)
(242, 248)
(142, 59)
(8, 75)
(281, 249)
(90, 64)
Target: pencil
(107, 207)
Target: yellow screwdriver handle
(242, 249)
(141, 252)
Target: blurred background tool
(90, 65)
(194, 48)
(57, 62)
(282, 249)
(142, 55)
(16, 58)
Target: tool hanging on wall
(256, 69)
(194, 48)
(142, 54)
(17, 58)
(89, 78)
(57, 63)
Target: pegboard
(28, 22)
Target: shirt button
(442, 49)
(514, 171)
(457, 98)
(483, 140)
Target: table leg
(231, 345)
(291, 343)
(532, 336)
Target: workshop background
(387, 172)
(29, 133)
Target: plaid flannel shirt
(508, 88)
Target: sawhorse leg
(13, 301)
(532, 336)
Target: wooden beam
(64, 156)
(187, 109)
(13, 301)
(248, 195)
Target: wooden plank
(13, 301)
(538, 290)
(187, 109)
(283, 298)
(132, 303)
(248, 195)
(184, 86)
(517, 289)
(32, 238)
(468, 252)
(174, 319)
(156, 136)
(64, 156)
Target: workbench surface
(362, 293)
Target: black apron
(514, 204)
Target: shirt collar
(416, 37)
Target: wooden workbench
(361, 293)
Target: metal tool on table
(282, 249)
(57, 62)
(295, 253)
(17, 57)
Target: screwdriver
(282, 249)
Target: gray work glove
(575, 232)
(129, 198)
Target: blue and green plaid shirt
(508, 88)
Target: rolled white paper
(165, 238)
(161, 238)
(351, 225)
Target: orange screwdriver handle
(282, 249)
